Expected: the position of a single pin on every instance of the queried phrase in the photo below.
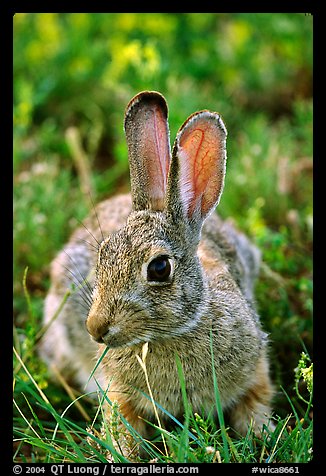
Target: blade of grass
(70, 392)
(21, 442)
(26, 294)
(292, 406)
(184, 439)
(306, 443)
(46, 327)
(37, 420)
(25, 419)
(142, 362)
(83, 431)
(99, 360)
(219, 404)
(274, 451)
(132, 431)
(73, 445)
(75, 401)
(173, 418)
(51, 409)
(306, 415)
(44, 397)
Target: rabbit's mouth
(115, 337)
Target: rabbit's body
(168, 272)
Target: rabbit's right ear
(147, 135)
(197, 171)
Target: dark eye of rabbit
(159, 269)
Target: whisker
(84, 278)
(86, 297)
(81, 281)
(83, 224)
(90, 244)
(85, 308)
(84, 294)
(98, 221)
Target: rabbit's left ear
(147, 134)
(197, 169)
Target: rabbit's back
(231, 250)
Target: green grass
(57, 437)
(73, 76)
(54, 427)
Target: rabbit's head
(149, 283)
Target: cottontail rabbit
(168, 272)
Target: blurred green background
(74, 73)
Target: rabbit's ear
(198, 166)
(147, 134)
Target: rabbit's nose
(97, 325)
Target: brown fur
(206, 300)
(255, 403)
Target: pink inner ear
(202, 162)
(155, 151)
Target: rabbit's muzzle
(116, 328)
(104, 333)
(96, 325)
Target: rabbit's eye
(159, 269)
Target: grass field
(73, 76)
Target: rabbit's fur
(206, 299)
